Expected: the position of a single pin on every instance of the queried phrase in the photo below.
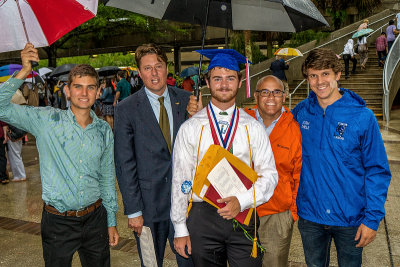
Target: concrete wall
(335, 41)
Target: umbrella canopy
(63, 78)
(45, 71)
(256, 15)
(189, 72)
(63, 69)
(362, 32)
(40, 22)
(108, 70)
(288, 51)
(7, 70)
(36, 79)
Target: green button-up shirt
(76, 164)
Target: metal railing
(392, 60)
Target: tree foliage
(237, 43)
(337, 8)
(102, 60)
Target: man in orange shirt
(280, 212)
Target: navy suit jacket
(142, 160)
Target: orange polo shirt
(285, 141)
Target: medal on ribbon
(217, 132)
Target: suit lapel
(176, 106)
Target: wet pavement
(21, 209)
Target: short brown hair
(150, 49)
(321, 59)
(121, 74)
(82, 70)
(208, 75)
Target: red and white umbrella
(40, 22)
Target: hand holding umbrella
(28, 54)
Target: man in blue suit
(146, 124)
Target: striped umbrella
(288, 51)
(7, 70)
(40, 22)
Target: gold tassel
(190, 205)
(254, 251)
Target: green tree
(237, 42)
(337, 8)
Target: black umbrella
(108, 71)
(63, 69)
(63, 78)
(256, 15)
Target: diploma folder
(203, 188)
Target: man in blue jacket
(345, 173)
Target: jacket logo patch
(305, 125)
(284, 147)
(340, 128)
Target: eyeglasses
(266, 93)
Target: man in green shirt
(123, 87)
(76, 166)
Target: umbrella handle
(34, 64)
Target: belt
(74, 213)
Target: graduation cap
(225, 58)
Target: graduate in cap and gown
(211, 235)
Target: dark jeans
(347, 59)
(62, 236)
(215, 241)
(390, 43)
(163, 231)
(3, 160)
(317, 240)
(381, 56)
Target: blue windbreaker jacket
(345, 173)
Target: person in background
(107, 98)
(363, 50)
(278, 215)
(188, 84)
(196, 80)
(15, 146)
(123, 87)
(363, 25)
(170, 80)
(278, 68)
(348, 55)
(391, 33)
(3, 159)
(382, 48)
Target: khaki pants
(275, 234)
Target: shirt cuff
(244, 201)
(181, 230)
(111, 219)
(134, 215)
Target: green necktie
(164, 123)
